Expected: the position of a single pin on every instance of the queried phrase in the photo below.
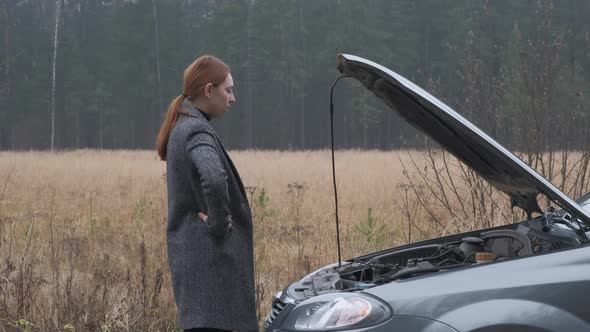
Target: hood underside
(473, 147)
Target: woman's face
(221, 96)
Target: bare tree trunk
(291, 140)
(389, 141)
(100, 109)
(281, 82)
(365, 126)
(6, 84)
(187, 15)
(77, 130)
(345, 130)
(157, 43)
(302, 98)
(249, 72)
(55, 39)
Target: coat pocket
(219, 230)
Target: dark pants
(205, 329)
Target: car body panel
(546, 291)
(488, 158)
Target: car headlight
(337, 311)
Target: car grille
(277, 307)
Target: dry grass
(82, 233)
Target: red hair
(206, 69)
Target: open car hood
(488, 158)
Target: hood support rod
(333, 165)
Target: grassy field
(82, 233)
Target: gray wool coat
(211, 264)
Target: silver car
(530, 276)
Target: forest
(101, 73)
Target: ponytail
(206, 69)
(169, 122)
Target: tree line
(101, 73)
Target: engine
(530, 237)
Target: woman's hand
(229, 227)
(203, 217)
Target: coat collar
(194, 112)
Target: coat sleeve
(201, 149)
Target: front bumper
(283, 304)
(396, 323)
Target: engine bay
(550, 232)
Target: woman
(209, 232)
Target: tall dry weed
(82, 233)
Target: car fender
(512, 314)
